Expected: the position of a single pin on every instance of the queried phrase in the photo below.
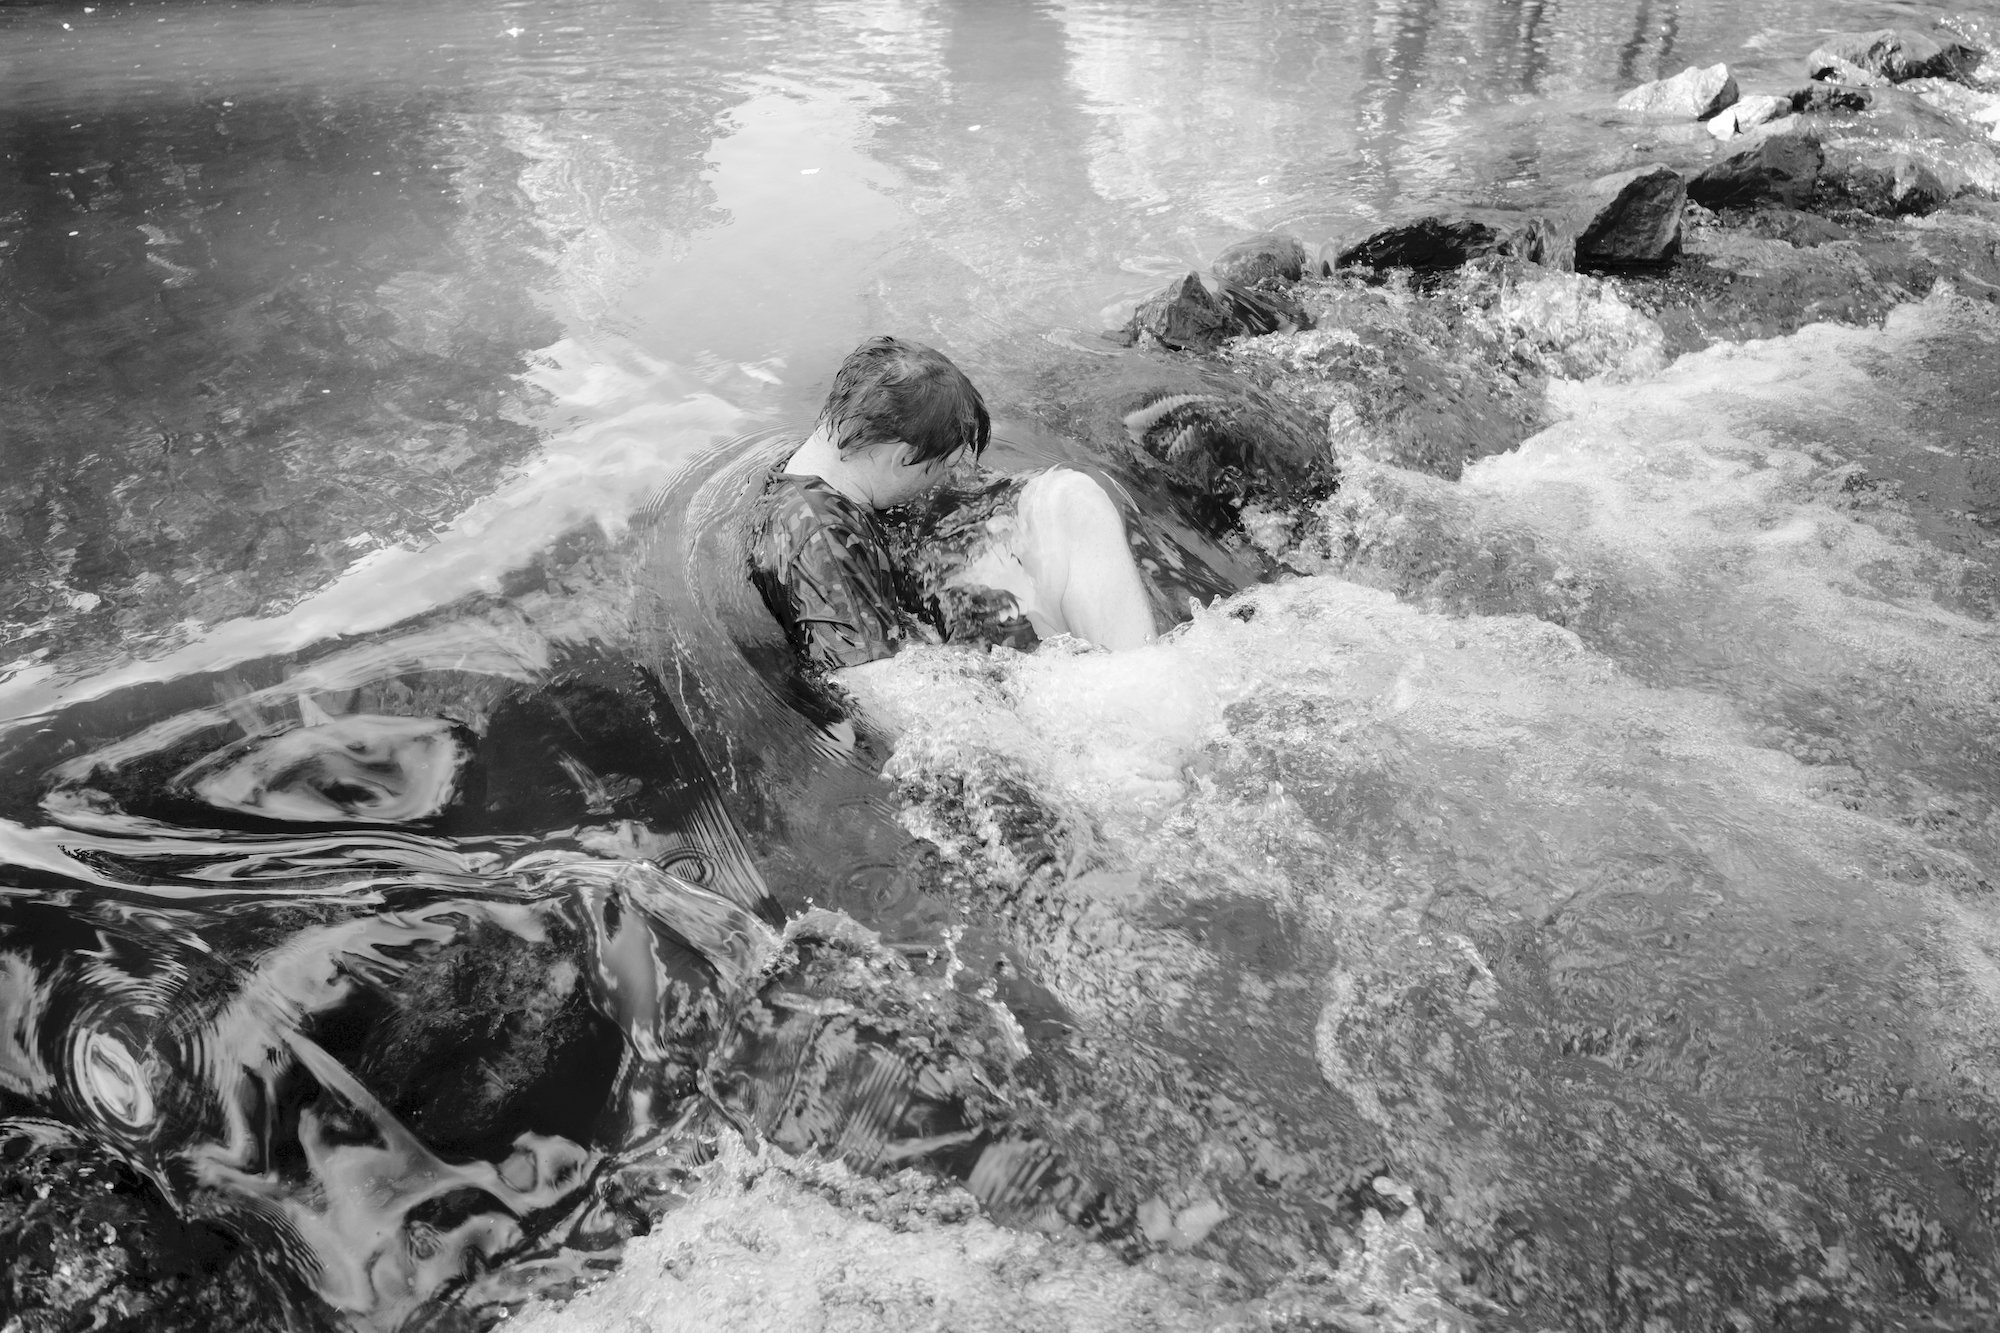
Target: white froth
(769, 1244)
(1347, 753)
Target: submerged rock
(1781, 170)
(1263, 309)
(1435, 244)
(1887, 187)
(1185, 316)
(1692, 94)
(1631, 217)
(1748, 114)
(1267, 258)
(1892, 54)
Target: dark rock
(1917, 189)
(1437, 244)
(1781, 170)
(1633, 217)
(1230, 444)
(90, 1244)
(1825, 97)
(1692, 94)
(1271, 257)
(1211, 435)
(1893, 54)
(1186, 317)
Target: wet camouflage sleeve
(823, 568)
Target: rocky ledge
(1833, 200)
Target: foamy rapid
(1656, 742)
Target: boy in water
(1046, 552)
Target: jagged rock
(1632, 217)
(1185, 316)
(1892, 54)
(1271, 257)
(1692, 94)
(1823, 97)
(1781, 170)
(1435, 244)
(1748, 114)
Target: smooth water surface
(1592, 857)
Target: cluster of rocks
(1631, 219)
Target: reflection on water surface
(404, 797)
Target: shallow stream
(1567, 900)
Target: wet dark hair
(887, 389)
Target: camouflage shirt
(822, 563)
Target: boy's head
(889, 390)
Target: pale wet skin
(1583, 870)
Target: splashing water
(1639, 850)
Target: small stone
(1893, 54)
(1692, 94)
(1193, 1223)
(1156, 1220)
(1270, 257)
(1632, 217)
(1747, 114)
(1781, 170)
(1184, 316)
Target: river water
(1566, 903)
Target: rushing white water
(1655, 815)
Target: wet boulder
(1210, 435)
(1830, 97)
(1185, 316)
(1630, 218)
(1264, 308)
(1782, 169)
(1747, 114)
(1892, 186)
(1845, 72)
(1692, 94)
(1437, 244)
(1891, 54)
(1266, 259)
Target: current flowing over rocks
(1594, 741)
(1892, 55)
